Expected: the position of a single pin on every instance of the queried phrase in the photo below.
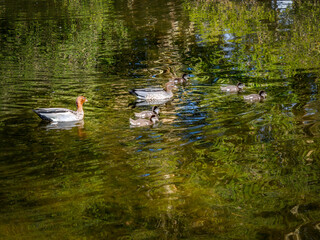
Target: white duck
(62, 114)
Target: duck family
(144, 118)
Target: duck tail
(42, 116)
(133, 92)
(131, 121)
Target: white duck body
(59, 114)
(62, 114)
(154, 93)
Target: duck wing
(140, 122)
(230, 88)
(252, 97)
(58, 114)
(147, 92)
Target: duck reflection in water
(142, 103)
(61, 125)
(66, 126)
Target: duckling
(178, 80)
(147, 114)
(62, 114)
(154, 93)
(144, 122)
(256, 97)
(233, 88)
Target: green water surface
(215, 167)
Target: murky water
(215, 167)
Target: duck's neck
(169, 91)
(79, 108)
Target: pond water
(215, 167)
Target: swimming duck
(256, 97)
(147, 114)
(144, 122)
(233, 88)
(178, 80)
(154, 93)
(62, 114)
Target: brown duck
(154, 93)
(233, 88)
(147, 114)
(256, 97)
(144, 122)
(182, 79)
